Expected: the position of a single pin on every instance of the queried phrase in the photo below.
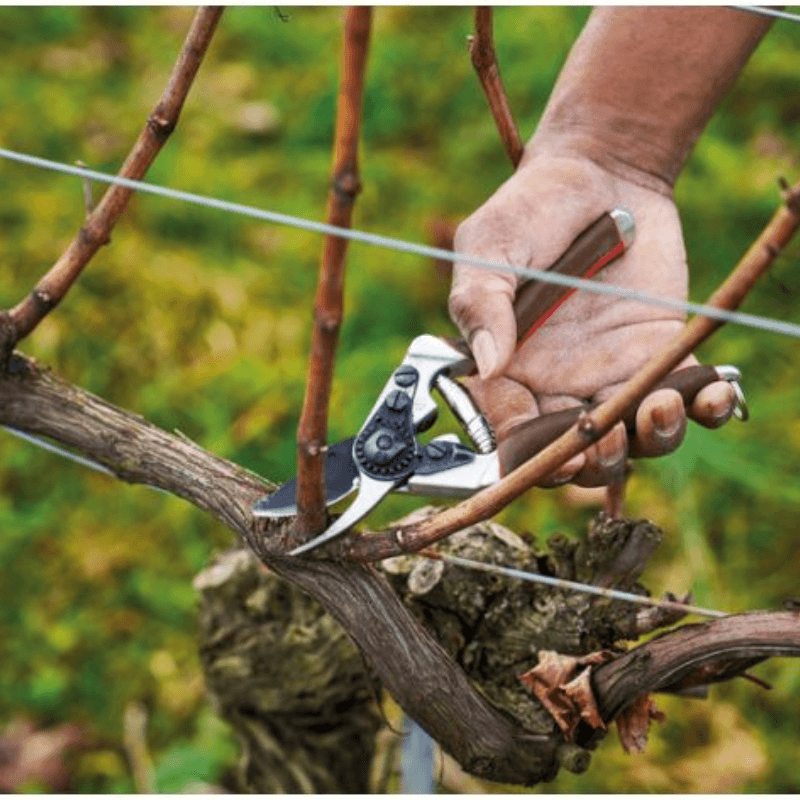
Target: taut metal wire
(414, 248)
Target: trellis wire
(52, 448)
(573, 586)
(68, 454)
(766, 11)
(414, 248)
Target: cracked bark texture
(287, 678)
(299, 696)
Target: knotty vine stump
(301, 699)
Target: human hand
(593, 343)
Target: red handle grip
(602, 242)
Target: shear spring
(466, 412)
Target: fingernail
(721, 408)
(611, 450)
(719, 415)
(485, 351)
(718, 420)
(667, 422)
(566, 472)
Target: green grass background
(200, 321)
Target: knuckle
(459, 302)
(467, 232)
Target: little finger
(713, 405)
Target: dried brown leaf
(579, 691)
(552, 670)
(562, 685)
(634, 722)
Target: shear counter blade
(341, 479)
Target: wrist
(640, 85)
(617, 150)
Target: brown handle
(529, 438)
(592, 250)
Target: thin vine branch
(312, 431)
(600, 420)
(721, 649)
(484, 60)
(21, 320)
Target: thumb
(481, 305)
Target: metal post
(416, 775)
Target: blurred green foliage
(201, 322)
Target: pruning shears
(386, 456)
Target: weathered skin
(636, 92)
